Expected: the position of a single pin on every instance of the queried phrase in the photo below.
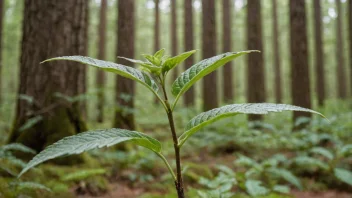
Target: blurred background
(305, 60)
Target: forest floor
(123, 190)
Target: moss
(58, 124)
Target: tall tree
(156, 33)
(174, 47)
(277, 65)
(350, 33)
(124, 118)
(210, 93)
(100, 75)
(156, 27)
(319, 54)
(341, 78)
(1, 24)
(228, 89)
(45, 37)
(300, 88)
(255, 71)
(189, 45)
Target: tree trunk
(50, 29)
(174, 47)
(100, 75)
(1, 24)
(300, 88)
(319, 54)
(124, 117)
(350, 33)
(189, 45)
(340, 61)
(210, 93)
(255, 72)
(156, 33)
(277, 65)
(228, 89)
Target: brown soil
(326, 194)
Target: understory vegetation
(240, 159)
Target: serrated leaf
(29, 185)
(17, 147)
(83, 174)
(255, 188)
(343, 175)
(122, 70)
(89, 140)
(213, 115)
(322, 151)
(201, 69)
(287, 176)
(172, 62)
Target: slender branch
(168, 165)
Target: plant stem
(179, 181)
(168, 165)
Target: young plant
(327, 161)
(153, 75)
(263, 177)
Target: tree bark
(210, 93)
(124, 118)
(319, 54)
(340, 60)
(100, 75)
(228, 89)
(255, 72)
(2, 3)
(189, 45)
(50, 29)
(277, 64)
(174, 47)
(300, 88)
(350, 35)
(156, 33)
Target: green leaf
(281, 189)
(246, 161)
(89, 140)
(172, 62)
(159, 54)
(29, 185)
(322, 151)
(287, 176)
(345, 150)
(255, 188)
(17, 147)
(213, 115)
(310, 161)
(152, 59)
(31, 122)
(201, 69)
(150, 67)
(343, 175)
(83, 174)
(125, 71)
